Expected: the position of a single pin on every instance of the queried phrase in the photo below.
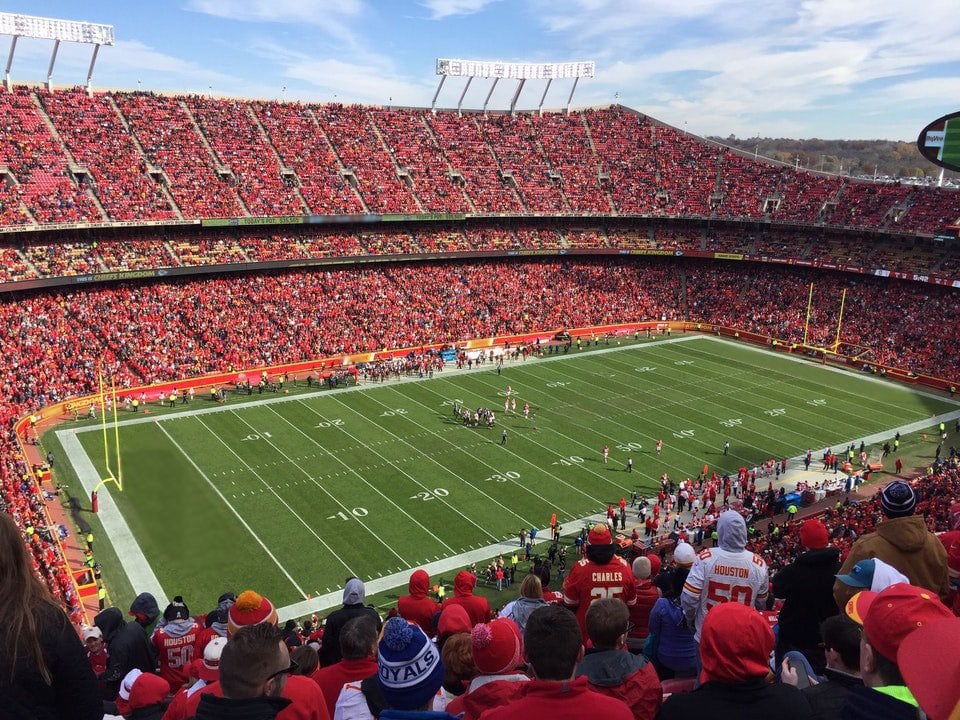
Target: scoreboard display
(939, 142)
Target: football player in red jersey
(601, 574)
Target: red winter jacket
(624, 676)
(647, 596)
(332, 678)
(417, 607)
(485, 693)
(567, 700)
(478, 609)
(307, 701)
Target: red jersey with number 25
(589, 581)
(720, 576)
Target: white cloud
(440, 9)
(282, 11)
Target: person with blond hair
(531, 598)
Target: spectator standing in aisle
(806, 587)
(130, 648)
(418, 607)
(354, 594)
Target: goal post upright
(843, 298)
(806, 324)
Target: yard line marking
(763, 390)
(361, 478)
(343, 507)
(232, 508)
(435, 569)
(441, 466)
(115, 526)
(619, 488)
(633, 430)
(276, 494)
(371, 386)
(702, 403)
(843, 371)
(522, 459)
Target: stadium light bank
(519, 71)
(43, 28)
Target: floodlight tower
(520, 71)
(42, 28)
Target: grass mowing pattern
(293, 497)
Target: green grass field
(292, 495)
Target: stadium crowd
(28, 258)
(70, 157)
(125, 156)
(836, 598)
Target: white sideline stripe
(434, 569)
(124, 543)
(227, 407)
(232, 509)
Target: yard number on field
(357, 512)
(256, 436)
(644, 369)
(683, 362)
(557, 384)
(775, 412)
(333, 422)
(627, 447)
(683, 434)
(391, 413)
(732, 422)
(817, 402)
(503, 477)
(426, 495)
(569, 460)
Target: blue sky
(802, 68)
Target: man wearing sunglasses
(254, 668)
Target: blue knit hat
(409, 668)
(898, 499)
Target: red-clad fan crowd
(864, 588)
(140, 156)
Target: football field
(292, 494)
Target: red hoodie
(417, 607)
(478, 609)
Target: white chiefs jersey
(720, 576)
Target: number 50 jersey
(727, 573)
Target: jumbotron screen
(939, 142)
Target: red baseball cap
(890, 616)
(932, 675)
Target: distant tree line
(850, 157)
